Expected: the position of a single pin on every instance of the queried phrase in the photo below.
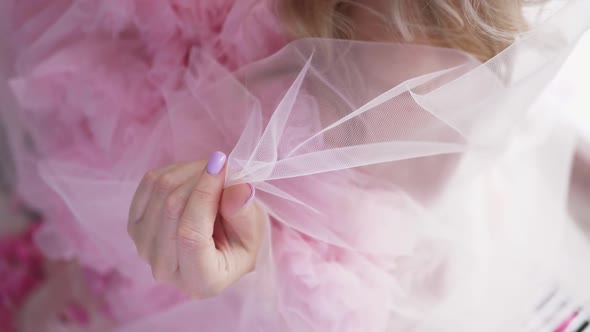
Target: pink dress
(408, 188)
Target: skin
(195, 234)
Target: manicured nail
(216, 162)
(252, 194)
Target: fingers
(236, 199)
(194, 233)
(144, 192)
(240, 216)
(196, 248)
(198, 217)
(163, 254)
(143, 202)
(157, 214)
(243, 223)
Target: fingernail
(252, 194)
(216, 162)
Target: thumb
(243, 220)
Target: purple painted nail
(216, 162)
(252, 194)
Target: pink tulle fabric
(93, 77)
(401, 182)
(96, 74)
(21, 271)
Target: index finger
(197, 221)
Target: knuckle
(150, 177)
(174, 206)
(166, 183)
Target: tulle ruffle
(402, 182)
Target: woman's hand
(193, 233)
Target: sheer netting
(408, 187)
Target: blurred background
(18, 255)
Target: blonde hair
(482, 28)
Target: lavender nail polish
(216, 162)
(252, 194)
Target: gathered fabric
(407, 187)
